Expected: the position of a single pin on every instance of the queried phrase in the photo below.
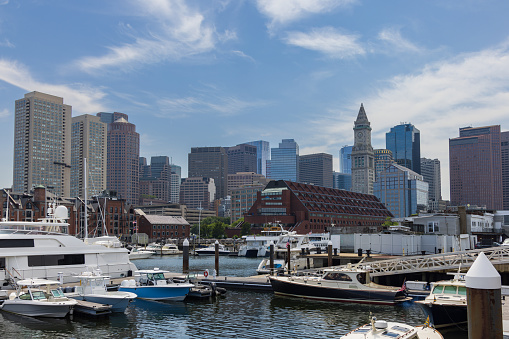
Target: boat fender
(206, 273)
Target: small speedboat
(93, 288)
(38, 298)
(152, 285)
(166, 249)
(211, 250)
(379, 329)
(136, 253)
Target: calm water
(239, 314)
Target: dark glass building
(210, 162)
(316, 169)
(405, 143)
(242, 158)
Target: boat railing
(23, 230)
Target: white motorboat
(298, 243)
(137, 253)
(105, 240)
(264, 266)
(379, 329)
(347, 284)
(43, 249)
(38, 298)
(211, 250)
(320, 240)
(166, 249)
(93, 288)
(152, 285)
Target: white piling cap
(483, 275)
(186, 243)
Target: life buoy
(205, 274)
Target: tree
(217, 230)
(246, 229)
(388, 222)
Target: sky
(224, 72)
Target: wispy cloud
(393, 38)
(285, 11)
(175, 31)
(4, 113)
(6, 43)
(243, 55)
(84, 99)
(328, 41)
(225, 106)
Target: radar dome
(61, 212)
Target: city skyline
(221, 73)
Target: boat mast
(85, 189)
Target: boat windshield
(450, 290)
(57, 293)
(438, 289)
(155, 276)
(38, 295)
(337, 276)
(462, 290)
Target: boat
(137, 253)
(166, 249)
(258, 245)
(199, 290)
(345, 284)
(105, 240)
(298, 244)
(38, 298)
(264, 266)
(211, 250)
(42, 249)
(320, 240)
(152, 285)
(93, 288)
(446, 305)
(379, 329)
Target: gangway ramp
(436, 262)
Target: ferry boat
(348, 284)
(43, 249)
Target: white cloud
(285, 11)
(392, 37)
(328, 41)
(84, 99)
(4, 113)
(6, 43)
(175, 31)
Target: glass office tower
(405, 143)
(284, 163)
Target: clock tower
(363, 159)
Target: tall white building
(88, 141)
(176, 175)
(42, 144)
(363, 159)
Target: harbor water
(238, 314)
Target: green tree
(388, 222)
(217, 230)
(246, 229)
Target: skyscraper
(42, 144)
(88, 141)
(123, 157)
(198, 193)
(383, 159)
(284, 163)
(475, 165)
(242, 158)
(363, 163)
(176, 175)
(210, 162)
(262, 155)
(316, 169)
(430, 169)
(345, 159)
(405, 143)
(342, 181)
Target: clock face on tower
(360, 136)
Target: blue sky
(219, 73)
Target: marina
(242, 313)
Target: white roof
(166, 219)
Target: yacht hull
(177, 292)
(445, 315)
(118, 302)
(37, 308)
(301, 289)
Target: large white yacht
(258, 246)
(44, 249)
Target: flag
(287, 244)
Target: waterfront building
(192, 215)
(176, 175)
(123, 156)
(163, 227)
(198, 192)
(242, 158)
(342, 181)
(88, 141)
(475, 165)
(316, 169)
(345, 159)
(403, 191)
(430, 170)
(245, 178)
(405, 143)
(383, 159)
(210, 162)
(242, 198)
(42, 144)
(284, 162)
(309, 208)
(262, 155)
(363, 163)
